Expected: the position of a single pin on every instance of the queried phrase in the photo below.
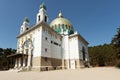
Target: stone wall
(36, 64)
(78, 64)
(50, 64)
(36, 61)
(46, 64)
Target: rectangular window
(45, 38)
(55, 43)
(39, 18)
(45, 18)
(45, 49)
(51, 42)
(27, 28)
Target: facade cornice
(36, 26)
(29, 30)
(79, 37)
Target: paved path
(109, 73)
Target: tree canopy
(3, 57)
(116, 42)
(102, 55)
(107, 54)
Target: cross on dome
(60, 15)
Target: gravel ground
(100, 73)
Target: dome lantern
(60, 15)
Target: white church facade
(51, 46)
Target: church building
(53, 46)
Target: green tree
(102, 55)
(116, 43)
(3, 57)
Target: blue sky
(95, 20)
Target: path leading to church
(104, 73)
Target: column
(29, 58)
(16, 63)
(63, 64)
(19, 62)
(23, 62)
(68, 63)
(77, 63)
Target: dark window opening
(83, 51)
(55, 26)
(59, 25)
(45, 38)
(63, 26)
(55, 43)
(66, 26)
(76, 64)
(46, 68)
(51, 41)
(39, 18)
(27, 28)
(45, 18)
(69, 27)
(45, 49)
(26, 61)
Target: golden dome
(61, 23)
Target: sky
(96, 20)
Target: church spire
(26, 19)
(25, 26)
(42, 16)
(43, 6)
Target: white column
(15, 63)
(29, 58)
(23, 62)
(19, 62)
(66, 50)
(63, 64)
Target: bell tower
(42, 16)
(25, 26)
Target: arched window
(66, 26)
(63, 26)
(55, 26)
(69, 28)
(59, 26)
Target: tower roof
(43, 6)
(26, 19)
